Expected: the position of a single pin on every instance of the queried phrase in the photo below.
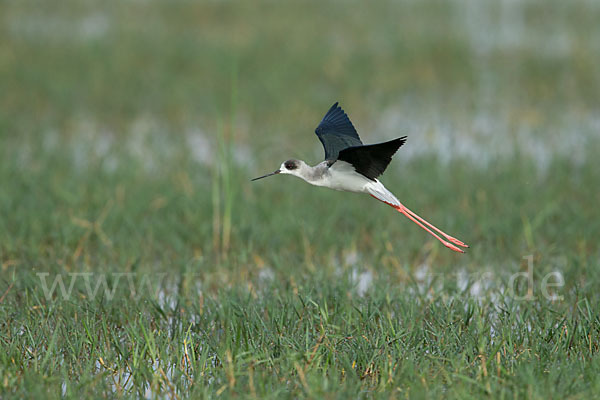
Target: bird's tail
(380, 192)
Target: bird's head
(290, 167)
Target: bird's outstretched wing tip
(336, 131)
(334, 109)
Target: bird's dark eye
(290, 165)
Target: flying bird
(354, 167)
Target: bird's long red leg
(407, 213)
(450, 238)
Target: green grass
(128, 136)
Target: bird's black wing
(371, 160)
(336, 132)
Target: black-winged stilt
(351, 166)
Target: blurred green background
(129, 131)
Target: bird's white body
(341, 176)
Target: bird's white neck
(313, 175)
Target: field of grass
(138, 260)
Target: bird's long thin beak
(264, 176)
